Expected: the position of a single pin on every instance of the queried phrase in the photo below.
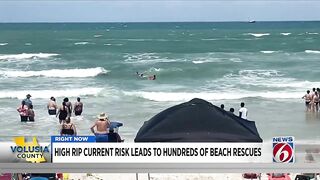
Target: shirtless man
(308, 98)
(52, 106)
(102, 124)
(315, 101)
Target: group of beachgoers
(101, 128)
(243, 111)
(312, 100)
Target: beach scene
(267, 65)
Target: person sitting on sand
(68, 128)
(102, 124)
(23, 111)
(52, 106)
(31, 113)
(307, 97)
(63, 112)
(78, 107)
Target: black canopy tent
(197, 121)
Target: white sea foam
(259, 34)
(312, 51)
(186, 96)
(312, 33)
(44, 94)
(97, 35)
(285, 34)
(147, 58)
(267, 52)
(3, 44)
(26, 56)
(28, 44)
(209, 39)
(206, 61)
(113, 44)
(260, 79)
(237, 60)
(62, 73)
(82, 43)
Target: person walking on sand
(243, 112)
(52, 106)
(316, 102)
(28, 100)
(78, 107)
(102, 124)
(31, 113)
(68, 128)
(23, 111)
(308, 98)
(63, 112)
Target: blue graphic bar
(74, 139)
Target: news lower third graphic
(85, 149)
(283, 149)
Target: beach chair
(251, 176)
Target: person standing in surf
(28, 100)
(315, 101)
(78, 107)
(69, 106)
(31, 113)
(23, 111)
(52, 106)
(68, 128)
(63, 112)
(308, 98)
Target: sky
(158, 11)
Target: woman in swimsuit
(68, 128)
(63, 112)
(23, 111)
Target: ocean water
(267, 65)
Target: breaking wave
(27, 56)
(45, 94)
(61, 73)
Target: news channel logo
(30, 151)
(283, 149)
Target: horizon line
(88, 22)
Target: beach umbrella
(197, 121)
